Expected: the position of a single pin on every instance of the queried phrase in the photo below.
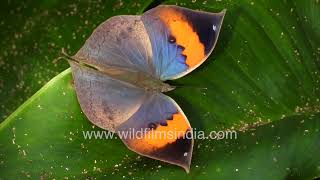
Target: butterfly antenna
(65, 56)
(191, 87)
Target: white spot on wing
(214, 27)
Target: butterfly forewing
(181, 38)
(120, 42)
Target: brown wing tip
(221, 15)
(223, 12)
(178, 153)
(187, 169)
(186, 166)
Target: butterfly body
(131, 58)
(139, 79)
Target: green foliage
(262, 80)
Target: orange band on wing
(185, 36)
(163, 135)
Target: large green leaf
(262, 80)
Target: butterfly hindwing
(181, 38)
(106, 102)
(161, 131)
(122, 108)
